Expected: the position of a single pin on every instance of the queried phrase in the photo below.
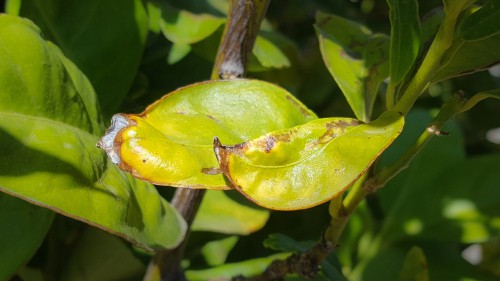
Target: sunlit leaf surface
(357, 59)
(88, 32)
(170, 143)
(309, 164)
(219, 213)
(49, 124)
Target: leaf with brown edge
(170, 143)
(308, 164)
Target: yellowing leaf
(49, 122)
(170, 143)
(309, 164)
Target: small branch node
(436, 130)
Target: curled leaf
(170, 143)
(309, 164)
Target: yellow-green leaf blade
(220, 213)
(356, 58)
(49, 122)
(170, 143)
(308, 164)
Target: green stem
(448, 111)
(390, 95)
(430, 65)
(341, 210)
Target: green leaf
(100, 256)
(246, 268)
(470, 103)
(183, 27)
(283, 243)
(48, 129)
(89, 36)
(455, 7)
(219, 213)
(431, 23)
(482, 23)
(178, 52)
(356, 58)
(170, 143)
(465, 57)
(216, 252)
(268, 52)
(308, 164)
(474, 48)
(24, 227)
(405, 37)
(414, 266)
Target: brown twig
(239, 37)
(237, 42)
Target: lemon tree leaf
(219, 213)
(309, 164)
(170, 143)
(268, 52)
(49, 125)
(181, 27)
(464, 57)
(405, 37)
(226, 271)
(99, 256)
(482, 23)
(474, 47)
(89, 35)
(469, 104)
(356, 58)
(24, 227)
(184, 27)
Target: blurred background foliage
(437, 211)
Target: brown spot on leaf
(211, 171)
(335, 128)
(270, 141)
(144, 160)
